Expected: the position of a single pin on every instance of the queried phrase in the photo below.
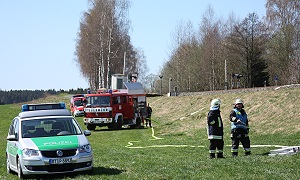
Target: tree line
(249, 53)
(218, 54)
(18, 96)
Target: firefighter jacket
(239, 115)
(214, 125)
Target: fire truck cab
(116, 108)
(76, 105)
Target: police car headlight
(85, 148)
(30, 152)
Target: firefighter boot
(212, 155)
(234, 154)
(247, 153)
(220, 155)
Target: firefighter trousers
(216, 144)
(237, 136)
(148, 121)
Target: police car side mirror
(12, 138)
(87, 132)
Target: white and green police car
(46, 139)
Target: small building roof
(134, 87)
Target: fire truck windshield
(78, 103)
(98, 100)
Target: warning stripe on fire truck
(98, 109)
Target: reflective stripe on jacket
(243, 118)
(214, 125)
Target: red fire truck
(116, 108)
(76, 105)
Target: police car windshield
(99, 100)
(49, 127)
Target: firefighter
(148, 117)
(215, 130)
(239, 128)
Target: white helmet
(238, 101)
(215, 102)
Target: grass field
(177, 146)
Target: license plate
(60, 161)
(99, 120)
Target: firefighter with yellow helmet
(215, 130)
(239, 128)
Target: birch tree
(283, 17)
(103, 44)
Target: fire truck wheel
(110, 126)
(91, 127)
(132, 126)
(119, 123)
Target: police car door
(12, 145)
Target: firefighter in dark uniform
(239, 128)
(148, 117)
(215, 130)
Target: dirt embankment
(235, 91)
(270, 110)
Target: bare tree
(283, 17)
(248, 42)
(196, 62)
(253, 48)
(103, 45)
(142, 69)
(182, 64)
(213, 62)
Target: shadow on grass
(106, 171)
(264, 154)
(257, 154)
(96, 172)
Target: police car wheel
(90, 172)
(8, 166)
(20, 173)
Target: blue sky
(37, 38)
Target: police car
(46, 139)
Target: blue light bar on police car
(46, 106)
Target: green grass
(178, 149)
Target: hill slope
(270, 111)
